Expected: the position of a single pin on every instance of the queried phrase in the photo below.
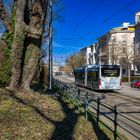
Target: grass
(32, 116)
(102, 132)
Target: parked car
(137, 84)
(133, 83)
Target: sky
(8, 6)
(83, 21)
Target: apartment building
(117, 47)
(137, 44)
(90, 53)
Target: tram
(99, 77)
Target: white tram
(99, 77)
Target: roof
(137, 13)
(129, 29)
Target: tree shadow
(38, 87)
(64, 129)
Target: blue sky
(86, 20)
(8, 4)
(83, 21)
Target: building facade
(137, 44)
(56, 69)
(117, 47)
(90, 53)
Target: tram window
(97, 75)
(110, 72)
(81, 75)
(89, 76)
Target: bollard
(115, 122)
(86, 104)
(98, 110)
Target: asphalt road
(127, 100)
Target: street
(127, 100)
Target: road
(127, 100)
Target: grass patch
(102, 132)
(32, 116)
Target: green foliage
(12, 20)
(8, 38)
(5, 69)
(5, 65)
(125, 79)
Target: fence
(101, 112)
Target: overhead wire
(83, 19)
(91, 13)
(96, 3)
(107, 19)
(97, 27)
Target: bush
(5, 63)
(5, 72)
(125, 79)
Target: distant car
(133, 83)
(137, 84)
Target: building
(90, 53)
(137, 44)
(56, 69)
(85, 52)
(117, 47)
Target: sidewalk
(127, 90)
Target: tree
(5, 45)
(122, 53)
(128, 57)
(115, 52)
(75, 61)
(27, 39)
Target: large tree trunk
(35, 38)
(29, 27)
(18, 45)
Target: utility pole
(50, 47)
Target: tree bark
(33, 52)
(18, 45)
(34, 38)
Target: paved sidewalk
(129, 91)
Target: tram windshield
(110, 71)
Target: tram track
(115, 93)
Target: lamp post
(50, 47)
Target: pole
(50, 48)
(115, 122)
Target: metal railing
(101, 112)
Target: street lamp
(50, 47)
